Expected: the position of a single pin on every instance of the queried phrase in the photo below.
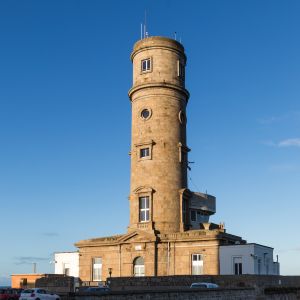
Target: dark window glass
(238, 268)
(193, 215)
(146, 65)
(145, 113)
(144, 152)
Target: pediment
(137, 236)
(144, 189)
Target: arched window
(138, 267)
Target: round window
(182, 117)
(145, 114)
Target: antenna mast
(144, 33)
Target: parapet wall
(224, 281)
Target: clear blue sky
(65, 119)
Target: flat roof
(29, 274)
(67, 252)
(247, 245)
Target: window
(197, 264)
(237, 265)
(180, 70)
(97, 268)
(193, 215)
(145, 114)
(183, 154)
(146, 65)
(138, 267)
(144, 152)
(144, 209)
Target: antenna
(141, 31)
(145, 25)
(175, 37)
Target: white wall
(250, 255)
(67, 259)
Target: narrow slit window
(181, 70)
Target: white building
(67, 263)
(247, 259)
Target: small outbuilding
(247, 259)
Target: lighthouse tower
(158, 143)
(169, 231)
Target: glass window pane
(139, 267)
(142, 215)
(145, 113)
(97, 269)
(146, 64)
(142, 203)
(98, 260)
(144, 152)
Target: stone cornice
(159, 85)
(158, 42)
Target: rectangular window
(197, 264)
(144, 209)
(144, 152)
(97, 268)
(193, 215)
(180, 70)
(139, 270)
(146, 65)
(237, 265)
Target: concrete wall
(24, 280)
(256, 259)
(232, 294)
(181, 294)
(67, 259)
(225, 281)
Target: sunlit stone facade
(169, 232)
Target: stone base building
(139, 253)
(169, 232)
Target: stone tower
(169, 231)
(158, 144)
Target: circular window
(145, 113)
(182, 117)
